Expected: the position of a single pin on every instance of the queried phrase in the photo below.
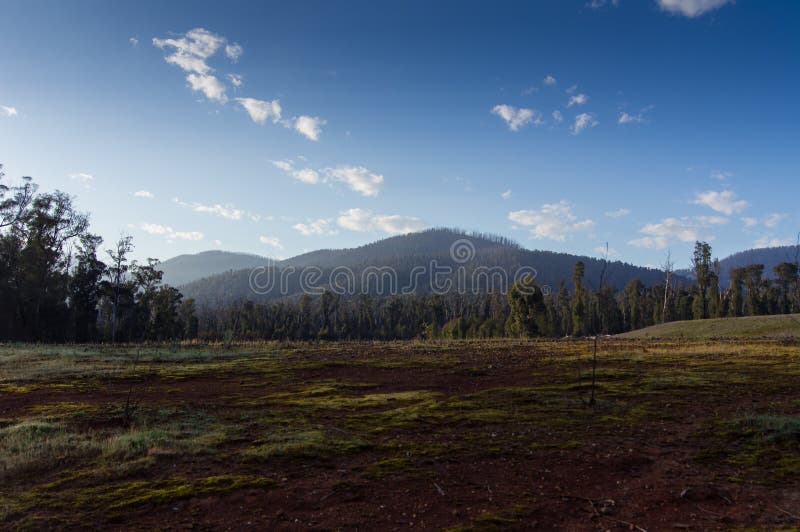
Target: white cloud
(133, 41)
(619, 213)
(357, 178)
(598, 4)
(603, 252)
(82, 177)
(578, 99)
(768, 241)
(724, 202)
(143, 194)
(306, 175)
(316, 227)
(8, 111)
(163, 230)
(224, 211)
(260, 110)
(236, 79)
(720, 175)
(365, 220)
(571, 89)
(691, 8)
(209, 85)
(549, 80)
(233, 51)
(506, 195)
(191, 51)
(684, 229)
(750, 222)
(711, 220)
(627, 118)
(309, 126)
(771, 220)
(271, 241)
(554, 221)
(516, 117)
(558, 117)
(583, 121)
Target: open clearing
(780, 325)
(456, 435)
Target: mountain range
(222, 278)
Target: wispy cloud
(365, 220)
(720, 175)
(309, 126)
(685, 229)
(770, 220)
(261, 110)
(724, 201)
(558, 117)
(768, 241)
(691, 8)
(83, 178)
(358, 178)
(506, 195)
(143, 194)
(550, 81)
(583, 121)
(170, 233)
(190, 52)
(237, 80)
(619, 213)
(517, 117)
(133, 41)
(227, 211)
(598, 4)
(306, 175)
(554, 221)
(271, 241)
(8, 111)
(577, 99)
(315, 227)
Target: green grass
(780, 326)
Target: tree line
(525, 311)
(54, 287)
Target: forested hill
(769, 257)
(417, 250)
(187, 268)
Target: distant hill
(769, 257)
(187, 268)
(406, 253)
(779, 326)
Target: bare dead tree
(667, 266)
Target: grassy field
(456, 435)
(786, 326)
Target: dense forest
(56, 285)
(574, 309)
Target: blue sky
(276, 128)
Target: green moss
(308, 444)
